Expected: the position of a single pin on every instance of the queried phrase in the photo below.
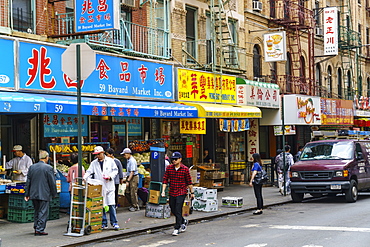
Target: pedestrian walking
(281, 167)
(257, 187)
(40, 188)
(19, 165)
(177, 175)
(119, 178)
(105, 170)
(132, 180)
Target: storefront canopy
(226, 111)
(12, 102)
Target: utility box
(157, 165)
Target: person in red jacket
(178, 176)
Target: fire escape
(220, 52)
(298, 22)
(349, 50)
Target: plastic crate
(53, 213)
(155, 185)
(141, 180)
(20, 215)
(54, 203)
(15, 189)
(17, 201)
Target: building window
(256, 62)
(318, 80)
(368, 87)
(22, 16)
(191, 27)
(367, 42)
(288, 71)
(349, 86)
(329, 84)
(340, 95)
(359, 86)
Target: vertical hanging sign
(331, 31)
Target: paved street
(322, 222)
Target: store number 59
(58, 108)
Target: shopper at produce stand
(73, 171)
(19, 164)
(177, 175)
(119, 178)
(105, 169)
(132, 180)
(40, 188)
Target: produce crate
(17, 201)
(20, 215)
(53, 213)
(55, 202)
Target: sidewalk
(21, 234)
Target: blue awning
(60, 104)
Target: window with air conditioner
(319, 31)
(257, 5)
(129, 3)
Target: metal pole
(283, 127)
(79, 135)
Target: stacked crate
(157, 206)
(94, 209)
(23, 212)
(205, 199)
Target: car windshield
(328, 151)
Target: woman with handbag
(256, 181)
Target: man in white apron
(105, 169)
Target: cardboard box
(205, 205)
(202, 193)
(233, 202)
(122, 201)
(195, 176)
(154, 196)
(161, 211)
(92, 191)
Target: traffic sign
(87, 61)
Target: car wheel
(296, 197)
(352, 192)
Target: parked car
(330, 167)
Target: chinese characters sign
(193, 126)
(205, 87)
(336, 112)
(331, 31)
(302, 110)
(58, 125)
(233, 125)
(253, 139)
(275, 46)
(93, 15)
(260, 94)
(40, 69)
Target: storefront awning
(226, 111)
(60, 104)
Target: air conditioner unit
(319, 31)
(257, 5)
(129, 3)
(259, 79)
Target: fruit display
(62, 167)
(143, 146)
(69, 149)
(142, 158)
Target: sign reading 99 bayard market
(199, 86)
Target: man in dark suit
(40, 188)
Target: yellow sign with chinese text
(192, 125)
(205, 87)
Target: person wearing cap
(119, 178)
(19, 164)
(40, 188)
(178, 176)
(105, 170)
(132, 180)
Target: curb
(139, 231)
